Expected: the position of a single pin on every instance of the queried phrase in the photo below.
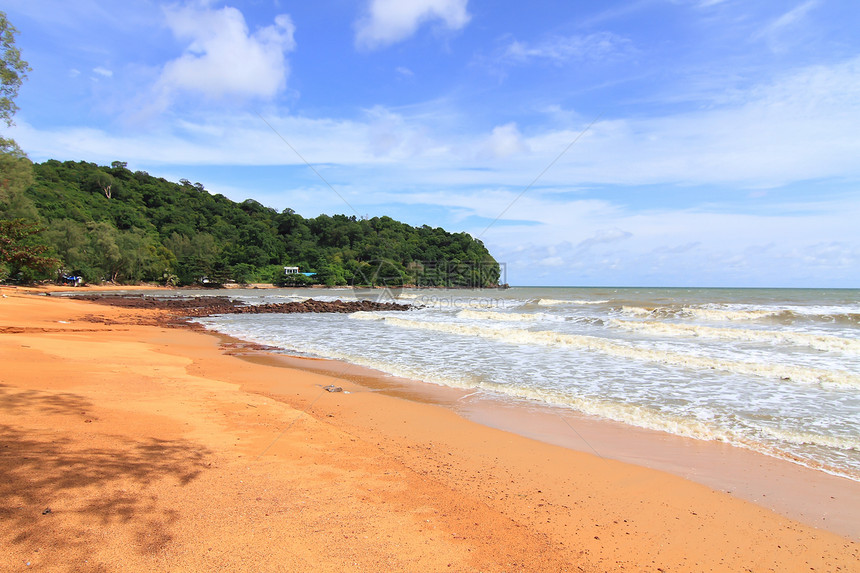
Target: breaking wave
(556, 302)
(816, 341)
(732, 315)
(504, 316)
(549, 338)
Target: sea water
(772, 370)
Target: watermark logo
(450, 302)
(384, 280)
(378, 281)
(467, 275)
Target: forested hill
(109, 223)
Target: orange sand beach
(128, 445)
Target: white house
(291, 270)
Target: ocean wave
(556, 302)
(503, 316)
(784, 372)
(804, 438)
(366, 315)
(630, 414)
(805, 446)
(638, 311)
(732, 315)
(786, 316)
(816, 341)
(711, 314)
(771, 442)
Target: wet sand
(810, 496)
(156, 449)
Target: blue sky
(635, 143)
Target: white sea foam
(632, 414)
(801, 437)
(824, 310)
(549, 338)
(649, 419)
(556, 302)
(703, 364)
(712, 314)
(366, 315)
(817, 341)
(502, 316)
(718, 314)
(637, 311)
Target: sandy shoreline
(812, 497)
(155, 450)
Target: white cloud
(104, 72)
(680, 246)
(800, 127)
(505, 141)
(241, 139)
(604, 237)
(782, 30)
(391, 21)
(223, 58)
(563, 49)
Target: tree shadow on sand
(58, 489)
(16, 401)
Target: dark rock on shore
(209, 305)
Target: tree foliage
(16, 172)
(13, 70)
(150, 229)
(20, 255)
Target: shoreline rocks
(195, 307)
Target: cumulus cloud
(390, 21)
(795, 128)
(223, 57)
(506, 140)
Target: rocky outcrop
(209, 305)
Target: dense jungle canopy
(108, 223)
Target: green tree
(69, 240)
(242, 273)
(16, 171)
(101, 182)
(153, 229)
(13, 70)
(20, 254)
(104, 252)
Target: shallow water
(776, 371)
